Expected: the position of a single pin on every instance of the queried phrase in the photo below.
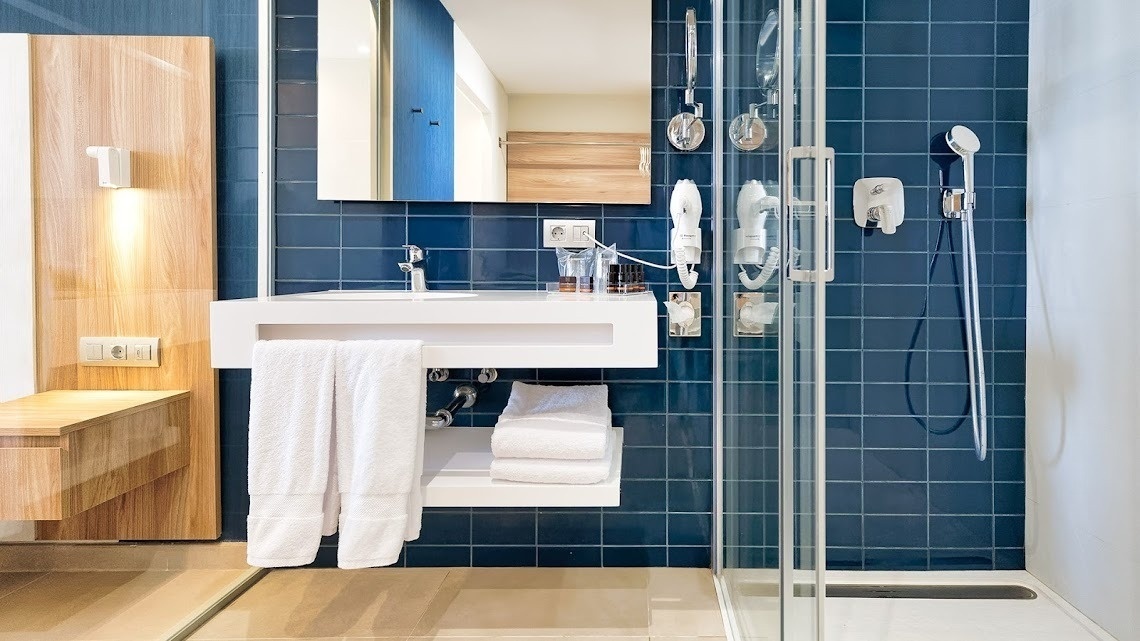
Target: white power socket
(118, 351)
(567, 233)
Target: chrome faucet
(415, 257)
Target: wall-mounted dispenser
(114, 166)
(879, 203)
(754, 207)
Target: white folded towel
(290, 430)
(553, 422)
(380, 395)
(529, 470)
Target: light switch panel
(118, 351)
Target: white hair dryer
(685, 208)
(753, 208)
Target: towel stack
(554, 434)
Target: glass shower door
(777, 189)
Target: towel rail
(463, 397)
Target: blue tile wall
(665, 516)
(899, 72)
(233, 26)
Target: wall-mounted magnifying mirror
(490, 101)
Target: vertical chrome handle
(829, 193)
(794, 273)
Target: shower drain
(854, 591)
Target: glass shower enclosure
(775, 231)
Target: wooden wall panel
(130, 262)
(576, 173)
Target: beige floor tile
(100, 605)
(307, 604)
(11, 581)
(534, 638)
(683, 603)
(538, 603)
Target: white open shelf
(457, 463)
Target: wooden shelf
(457, 463)
(64, 452)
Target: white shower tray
(457, 462)
(460, 329)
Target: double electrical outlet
(568, 233)
(118, 351)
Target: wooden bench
(66, 451)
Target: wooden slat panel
(569, 173)
(130, 262)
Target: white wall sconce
(114, 166)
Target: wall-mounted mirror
(484, 100)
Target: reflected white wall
(1083, 351)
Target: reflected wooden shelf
(66, 451)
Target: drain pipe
(463, 397)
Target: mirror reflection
(484, 100)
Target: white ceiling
(561, 46)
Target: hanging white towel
(528, 470)
(290, 431)
(380, 397)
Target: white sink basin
(521, 329)
(366, 294)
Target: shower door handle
(827, 156)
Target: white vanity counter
(460, 329)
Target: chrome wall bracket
(684, 314)
(753, 314)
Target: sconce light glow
(114, 166)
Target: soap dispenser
(879, 203)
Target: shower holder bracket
(683, 325)
(753, 312)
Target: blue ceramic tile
(842, 70)
(961, 498)
(844, 498)
(307, 231)
(569, 557)
(634, 557)
(844, 38)
(894, 531)
(895, 498)
(1013, 39)
(690, 496)
(690, 556)
(643, 529)
(894, 465)
(644, 463)
(503, 528)
(505, 233)
(569, 528)
(503, 556)
(961, 531)
(296, 99)
(373, 231)
(1013, 10)
(897, 39)
(842, 10)
(962, 39)
(897, 71)
(296, 33)
(895, 11)
(504, 266)
(895, 559)
(962, 71)
(308, 264)
(444, 528)
(690, 529)
(960, 10)
(296, 65)
(943, 559)
(896, 104)
(439, 232)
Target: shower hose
(975, 408)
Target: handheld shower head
(964, 142)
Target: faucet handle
(415, 254)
